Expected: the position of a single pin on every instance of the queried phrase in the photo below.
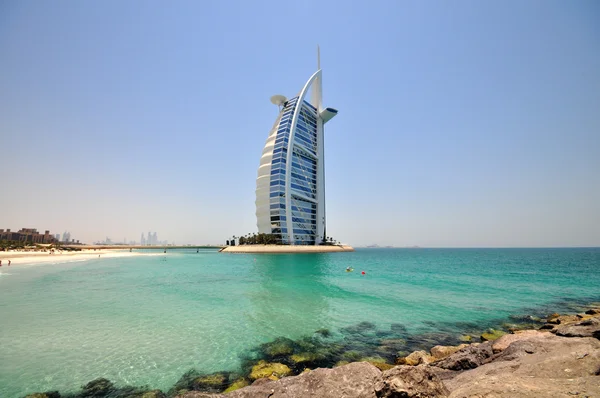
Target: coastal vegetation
(269, 239)
(393, 351)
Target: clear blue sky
(463, 123)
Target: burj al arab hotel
(290, 187)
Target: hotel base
(287, 249)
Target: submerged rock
(215, 382)
(236, 385)
(492, 334)
(279, 347)
(100, 387)
(465, 338)
(47, 394)
(324, 332)
(154, 394)
(378, 362)
(184, 382)
(410, 382)
(273, 371)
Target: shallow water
(148, 320)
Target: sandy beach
(32, 257)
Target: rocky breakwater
(562, 359)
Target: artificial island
(290, 186)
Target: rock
(587, 328)
(541, 365)
(465, 338)
(418, 358)
(593, 311)
(378, 362)
(552, 318)
(469, 357)
(410, 382)
(47, 394)
(442, 351)
(199, 394)
(324, 332)
(97, 388)
(503, 342)
(215, 382)
(264, 380)
(562, 319)
(304, 357)
(239, 383)
(154, 394)
(273, 371)
(350, 381)
(492, 334)
(184, 382)
(278, 347)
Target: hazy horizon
(460, 125)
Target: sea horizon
(148, 320)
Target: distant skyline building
(290, 187)
(28, 235)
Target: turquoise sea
(147, 320)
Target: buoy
(363, 272)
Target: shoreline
(273, 249)
(41, 257)
(453, 364)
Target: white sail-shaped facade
(290, 187)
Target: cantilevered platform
(287, 249)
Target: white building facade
(290, 187)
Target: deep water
(147, 321)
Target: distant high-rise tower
(290, 188)
(142, 240)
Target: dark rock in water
(324, 332)
(399, 329)
(47, 394)
(468, 358)
(98, 388)
(360, 329)
(587, 328)
(410, 382)
(184, 382)
(153, 394)
(215, 382)
(427, 340)
(279, 347)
